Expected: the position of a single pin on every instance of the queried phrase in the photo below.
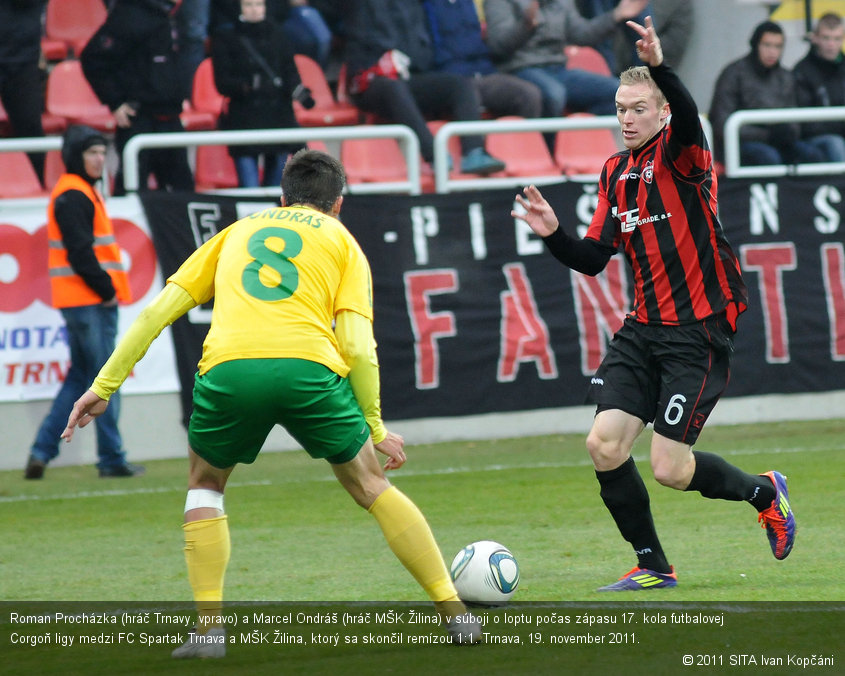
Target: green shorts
(238, 402)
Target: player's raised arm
(648, 46)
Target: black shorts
(670, 375)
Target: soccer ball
(485, 573)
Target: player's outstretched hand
(649, 50)
(86, 408)
(538, 213)
(392, 446)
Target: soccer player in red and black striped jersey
(670, 362)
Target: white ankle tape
(203, 497)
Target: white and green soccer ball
(485, 573)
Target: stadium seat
(586, 58)
(71, 23)
(54, 167)
(373, 160)
(524, 153)
(204, 95)
(327, 112)
(584, 151)
(196, 120)
(215, 169)
(18, 178)
(69, 96)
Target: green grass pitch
(297, 536)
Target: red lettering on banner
(833, 272)
(24, 279)
(142, 256)
(770, 260)
(524, 336)
(600, 306)
(25, 276)
(36, 373)
(429, 326)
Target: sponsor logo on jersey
(648, 172)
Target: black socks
(716, 478)
(626, 497)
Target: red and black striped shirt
(657, 203)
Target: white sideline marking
(585, 462)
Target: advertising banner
(472, 315)
(33, 340)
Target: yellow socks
(207, 555)
(411, 540)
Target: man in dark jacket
(254, 67)
(20, 77)
(758, 81)
(820, 78)
(87, 281)
(390, 66)
(132, 63)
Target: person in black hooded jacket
(134, 66)
(87, 281)
(254, 67)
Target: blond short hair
(641, 75)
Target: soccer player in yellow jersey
(280, 279)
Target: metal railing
(733, 166)
(408, 143)
(443, 183)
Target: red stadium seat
(586, 58)
(524, 153)
(54, 167)
(69, 96)
(204, 95)
(72, 23)
(584, 151)
(373, 160)
(17, 177)
(215, 169)
(327, 112)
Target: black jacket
(258, 99)
(134, 57)
(820, 83)
(20, 30)
(377, 26)
(74, 214)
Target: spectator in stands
(308, 32)
(820, 77)
(527, 38)
(390, 67)
(304, 27)
(623, 35)
(87, 281)
(132, 63)
(193, 17)
(459, 48)
(254, 67)
(674, 19)
(20, 74)
(758, 81)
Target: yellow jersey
(278, 278)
